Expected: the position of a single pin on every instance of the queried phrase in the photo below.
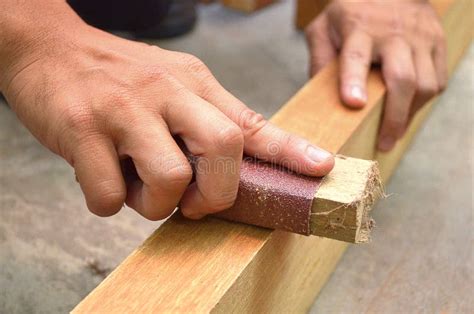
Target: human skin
(405, 37)
(96, 100)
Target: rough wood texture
(342, 204)
(246, 5)
(225, 267)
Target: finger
(164, 171)
(218, 144)
(426, 82)
(355, 59)
(440, 60)
(321, 48)
(400, 79)
(264, 140)
(268, 142)
(98, 172)
(261, 138)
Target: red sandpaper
(273, 197)
(270, 196)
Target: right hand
(96, 99)
(405, 37)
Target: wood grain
(219, 266)
(247, 6)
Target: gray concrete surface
(53, 252)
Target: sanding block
(336, 206)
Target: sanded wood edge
(342, 204)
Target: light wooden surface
(225, 267)
(247, 5)
(341, 207)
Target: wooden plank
(247, 6)
(218, 266)
(307, 10)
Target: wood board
(219, 266)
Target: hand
(406, 37)
(96, 99)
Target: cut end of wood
(342, 205)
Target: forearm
(26, 26)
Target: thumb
(264, 140)
(268, 142)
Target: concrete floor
(53, 252)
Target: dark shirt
(121, 15)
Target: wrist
(27, 33)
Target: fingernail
(358, 93)
(317, 154)
(386, 142)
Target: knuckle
(223, 202)
(77, 118)
(208, 86)
(276, 150)
(230, 137)
(290, 140)
(154, 73)
(108, 200)
(401, 78)
(206, 82)
(153, 49)
(427, 89)
(79, 130)
(393, 124)
(355, 55)
(121, 101)
(352, 17)
(251, 122)
(194, 64)
(178, 175)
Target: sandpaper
(274, 197)
(269, 195)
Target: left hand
(406, 37)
